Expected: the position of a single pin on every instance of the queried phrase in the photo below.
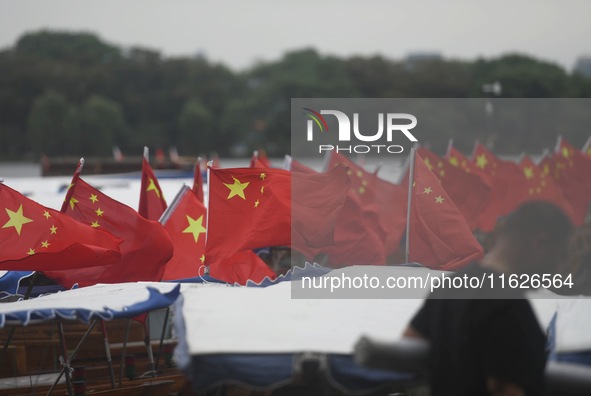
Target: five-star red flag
(541, 186)
(185, 222)
(146, 245)
(572, 172)
(508, 186)
(36, 238)
(469, 192)
(253, 208)
(387, 200)
(358, 236)
(152, 203)
(439, 236)
(259, 160)
(240, 268)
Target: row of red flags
(346, 213)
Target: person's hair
(533, 217)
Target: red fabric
(36, 238)
(571, 170)
(541, 186)
(259, 160)
(253, 208)
(387, 200)
(439, 236)
(240, 268)
(467, 190)
(152, 203)
(145, 249)
(508, 187)
(359, 238)
(185, 223)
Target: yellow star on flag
(262, 189)
(99, 212)
(529, 172)
(481, 161)
(439, 199)
(31, 251)
(95, 224)
(195, 227)
(262, 176)
(237, 188)
(427, 190)
(93, 198)
(202, 258)
(454, 161)
(152, 187)
(46, 214)
(73, 201)
(565, 152)
(53, 229)
(428, 163)
(256, 203)
(17, 219)
(45, 244)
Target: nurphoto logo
(392, 125)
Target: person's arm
(419, 324)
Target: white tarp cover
(222, 319)
(105, 301)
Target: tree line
(70, 93)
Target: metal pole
(162, 338)
(108, 353)
(72, 357)
(124, 351)
(411, 176)
(149, 345)
(13, 329)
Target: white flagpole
(558, 142)
(586, 145)
(147, 153)
(411, 176)
(450, 144)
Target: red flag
(240, 268)
(572, 172)
(146, 245)
(152, 203)
(386, 199)
(37, 238)
(358, 236)
(469, 192)
(541, 186)
(198, 180)
(185, 222)
(252, 208)
(439, 236)
(508, 186)
(259, 160)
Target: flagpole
(70, 191)
(558, 142)
(586, 145)
(209, 165)
(411, 176)
(450, 144)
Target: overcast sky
(239, 33)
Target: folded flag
(152, 202)
(146, 245)
(37, 238)
(439, 236)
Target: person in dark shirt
(487, 341)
